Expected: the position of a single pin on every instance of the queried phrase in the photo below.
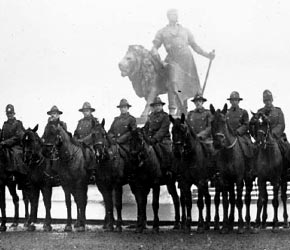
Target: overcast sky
(66, 52)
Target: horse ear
(212, 109)
(35, 128)
(225, 109)
(103, 123)
(182, 118)
(172, 120)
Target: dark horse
(192, 168)
(72, 173)
(269, 166)
(110, 175)
(7, 179)
(34, 159)
(145, 164)
(231, 167)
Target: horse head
(222, 135)
(100, 142)
(32, 146)
(179, 133)
(260, 129)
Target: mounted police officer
(11, 136)
(276, 119)
(157, 131)
(238, 121)
(120, 130)
(51, 165)
(83, 134)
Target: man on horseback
(183, 78)
(83, 133)
(11, 136)
(54, 119)
(276, 119)
(157, 131)
(238, 121)
(120, 130)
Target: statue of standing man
(183, 80)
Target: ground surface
(96, 238)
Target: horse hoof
(139, 230)
(156, 230)
(119, 229)
(187, 229)
(275, 229)
(206, 226)
(3, 228)
(47, 228)
(216, 227)
(224, 230)
(68, 228)
(14, 225)
(176, 225)
(81, 229)
(200, 230)
(241, 230)
(286, 225)
(109, 229)
(264, 226)
(26, 224)
(31, 228)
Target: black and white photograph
(144, 124)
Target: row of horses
(191, 165)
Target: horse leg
(240, 185)
(275, 203)
(25, 197)
(68, 227)
(3, 227)
(173, 192)
(225, 228)
(232, 200)
(217, 200)
(200, 205)
(81, 201)
(34, 198)
(208, 207)
(284, 200)
(46, 194)
(249, 188)
(261, 185)
(141, 200)
(107, 193)
(15, 198)
(188, 203)
(155, 206)
(265, 207)
(118, 205)
(182, 202)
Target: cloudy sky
(66, 52)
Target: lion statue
(149, 76)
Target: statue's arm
(157, 42)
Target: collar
(199, 110)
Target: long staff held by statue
(207, 73)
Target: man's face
(198, 104)
(157, 107)
(172, 16)
(87, 112)
(124, 109)
(54, 116)
(235, 103)
(10, 115)
(268, 102)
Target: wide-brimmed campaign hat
(267, 95)
(199, 97)
(86, 106)
(10, 109)
(124, 103)
(157, 100)
(54, 109)
(235, 96)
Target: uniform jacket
(12, 132)
(157, 126)
(238, 120)
(53, 122)
(200, 122)
(121, 127)
(85, 127)
(276, 118)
